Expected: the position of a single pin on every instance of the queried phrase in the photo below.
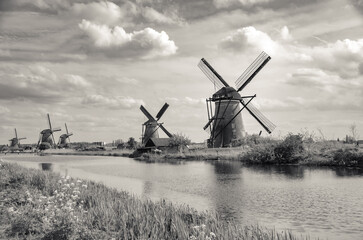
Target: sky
(91, 64)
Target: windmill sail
(212, 74)
(252, 70)
(162, 111)
(147, 114)
(165, 131)
(265, 123)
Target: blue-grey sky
(92, 63)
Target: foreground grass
(44, 205)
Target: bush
(288, 150)
(179, 140)
(347, 157)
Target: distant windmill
(225, 124)
(46, 137)
(15, 142)
(151, 126)
(63, 138)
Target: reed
(45, 205)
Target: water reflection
(224, 167)
(348, 172)
(288, 171)
(227, 190)
(46, 166)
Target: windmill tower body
(151, 131)
(225, 124)
(64, 137)
(46, 137)
(227, 110)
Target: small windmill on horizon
(46, 137)
(64, 139)
(151, 126)
(225, 119)
(15, 142)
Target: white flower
(212, 234)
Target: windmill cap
(227, 92)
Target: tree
(179, 140)
(131, 143)
(354, 131)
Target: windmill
(15, 142)
(63, 138)
(46, 137)
(151, 126)
(225, 124)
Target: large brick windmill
(64, 139)
(151, 126)
(225, 123)
(46, 137)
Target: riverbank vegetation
(293, 149)
(44, 205)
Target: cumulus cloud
(186, 101)
(4, 109)
(146, 43)
(285, 33)
(39, 84)
(342, 56)
(117, 102)
(248, 37)
(101, 12)
(228, 3)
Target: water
(319, 202)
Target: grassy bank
(294, 149)
(44, 205)
(67, 152)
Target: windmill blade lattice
(252, 70)
(212, 74)
(265, 123)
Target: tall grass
(44, 205)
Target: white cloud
(186, 101)
(146, 43)
(228, 3)
(285, 33)
(4, 109)
(76, 80)
(154, 16)
(101, 12)
(112, 102)
(248, 37)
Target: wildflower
(30, 199)
(60, 181)
(10, 209)
(212, 234)
(84, 186)
(68, 177)
(196, 228)
(79, 181)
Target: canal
(318, 202)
